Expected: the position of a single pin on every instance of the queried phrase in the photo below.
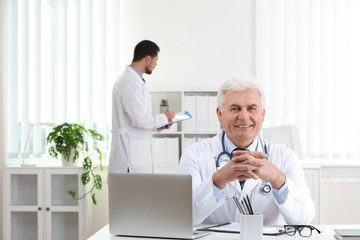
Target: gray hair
(239, 84)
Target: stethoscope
(266, 187)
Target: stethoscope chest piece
(266, 188)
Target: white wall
(202, 43)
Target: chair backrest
(287, 134)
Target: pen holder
(251, 227)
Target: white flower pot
(70, 163)
(164, 109)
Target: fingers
(165, 127)
(248, 163)
(248, 166)
(229, 173)
(170, 115)
(247, 175)
(225, 175)
(256, 159)
(245, 165)
(254, 154)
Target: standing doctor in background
(132, 119)
(270, 174)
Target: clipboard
(234, 226)
(179, 117)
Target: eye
(235, 109)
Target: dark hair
(145, 48)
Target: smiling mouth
(244, 126)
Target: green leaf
(100, 158)
(76, 155)
(95, 135)
(52, 152)
(72, 194)
(97, 181)
(85, 178)
(87, 163)
(93, 199)
(67, 136)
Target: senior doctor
(270, 174)
(132, 119)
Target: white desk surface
(327, 233)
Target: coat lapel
(250, 184)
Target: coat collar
(134, 73)
(217, 147)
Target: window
(61, 61)
(307, 59)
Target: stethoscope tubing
(223, 151)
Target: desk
(327, 233)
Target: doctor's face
(242, 116)
(151, 64)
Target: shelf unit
(37, 205)
(177, 102)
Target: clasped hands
(246, 165)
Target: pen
(238, 205)
(244, 206)
(248, 206)
(248, 199)
(244, 212)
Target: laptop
(151, 205)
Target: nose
(242, 115)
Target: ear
(147, 59)
(263, 115)
(219, 114)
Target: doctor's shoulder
(280, 154)
(130, 88)
(123, 80)
(200, 147)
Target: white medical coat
(199, 159)
(132, 124)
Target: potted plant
(73, 142)
(164, 107)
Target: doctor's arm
(298, 207)
(293, 197)
(170, 116)
(140, 117)
(289, 186)
(204, 201)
